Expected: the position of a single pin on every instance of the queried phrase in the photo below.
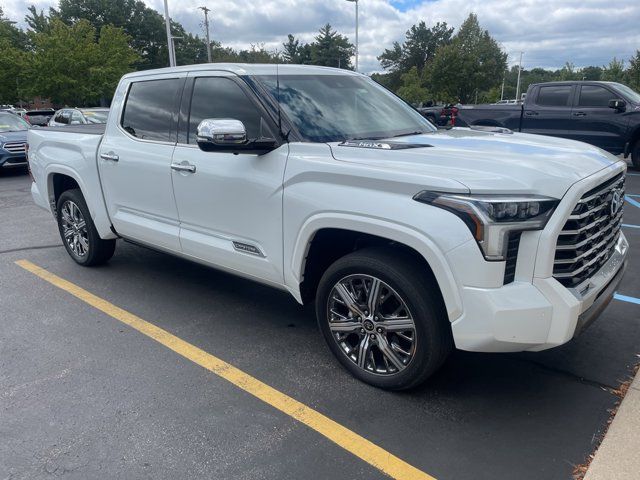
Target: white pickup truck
(320, 182)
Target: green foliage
(633, 73)
(69, 65)
(614, 72)
(412, 89)
(471, 64)
(330, 49)
(421, 43)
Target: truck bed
(91, 129)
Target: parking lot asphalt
(84, 396)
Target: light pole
(167, 21)
(206, 26)
(518, 85)
(356, 2)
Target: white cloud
(550, 32)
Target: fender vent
(512, 257)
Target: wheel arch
(324, 239)
(60, 178)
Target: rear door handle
(531, 114)
(579, 114)
(112, 157)
(186, 167)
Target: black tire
(97, 251)
(408, 279)
(635, 155)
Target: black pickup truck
(604, 114)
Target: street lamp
(170, 47)
(356, 2)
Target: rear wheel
(382, 318)
(78, 232)
(635, 155)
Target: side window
(594, 96)
(554, 96)
(76, 118)
(148, 111)
(218, 97)
(64, 117)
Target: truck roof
(573, 82)
(247, 69)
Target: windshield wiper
(406, 134)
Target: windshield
(12, 123)
(333, 108)
(629, 93)
(96, 116)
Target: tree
(412, 90)
(614, 72)
(115, 58)
(12, 44)
(633, 72)
(69, 65)
(331, 49)
(418, 48)
(470, 65)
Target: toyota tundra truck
(317, 181)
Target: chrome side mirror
(221, 132)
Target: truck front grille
(14, 147)
(589, 236)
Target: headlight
(492, 217)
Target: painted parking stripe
(633, 174)
(352, 442)
(633, 202)
(633, 195)
(628, 225)
(626, 298)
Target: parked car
(324, 184)
(79, 116)
(604, 114)
(13, 138)
(440, 116)
(39, 117)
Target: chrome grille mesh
(589, 236)
(14, 147)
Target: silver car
(79, 116)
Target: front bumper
(12, 160)
(533, 316)
(536, 311)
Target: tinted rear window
(554, 96)
(148, 111)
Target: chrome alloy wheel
(372, 324)
(74, 228)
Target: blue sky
(550, 32)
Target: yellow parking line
(342, 436)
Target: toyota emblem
(616, 202)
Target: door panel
(549, 113)
(232, 198)
(230, 207)
(594, 122)
(135, 165)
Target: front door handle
(579, 114)
(186, 167)
(531, 114)
(112, 157)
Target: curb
(618, 458)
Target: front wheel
(78, 232)
(382, 318)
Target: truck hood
(485, 162)
(20, 136)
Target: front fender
(381, 228)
